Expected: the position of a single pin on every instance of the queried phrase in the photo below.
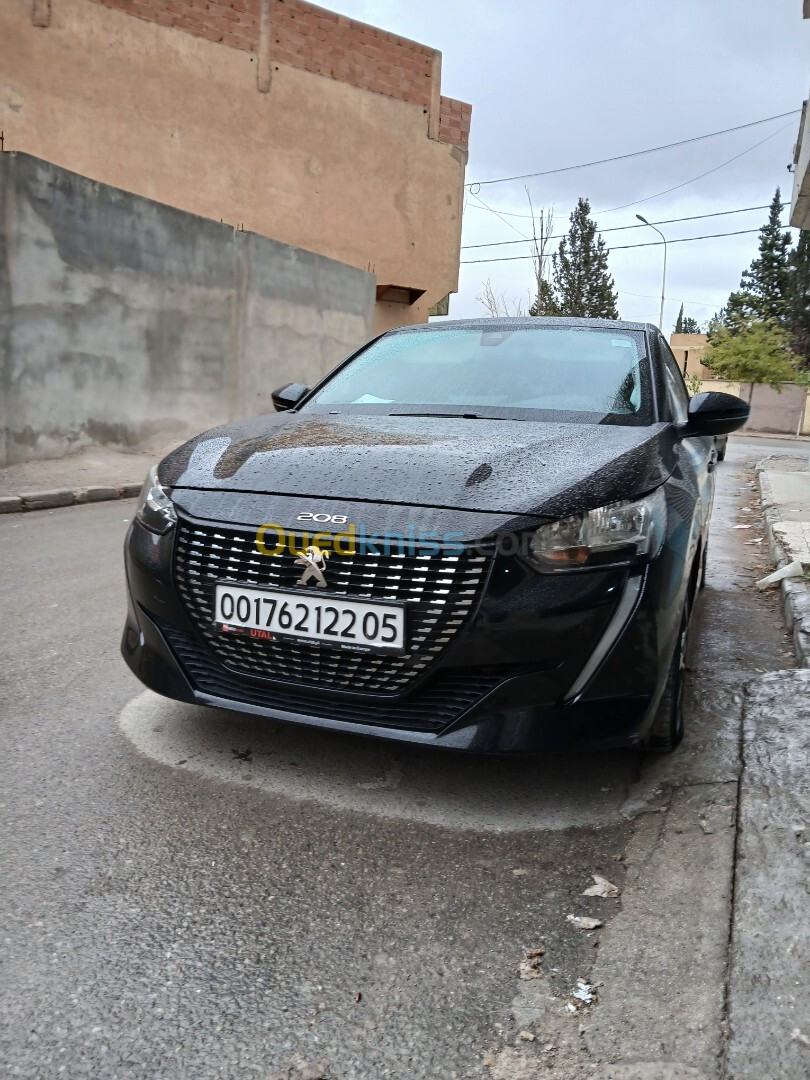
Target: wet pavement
(192, 894)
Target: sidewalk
(744, 433)
(785, 487)
(768, 1014)
(92, 474)
(768, 1011)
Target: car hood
(515, 467)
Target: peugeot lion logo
(314, 560)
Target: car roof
(529, 322)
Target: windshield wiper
(456, 415)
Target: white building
(800, 202)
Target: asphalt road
(192, 894)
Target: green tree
(545, 303)
(768, 279)
(766, 286)
(581, 282)
(799, 307)
(756, 353)
(739, 311)
(685, 324)
(717, 322)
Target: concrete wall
(780, 412)
(294, 122)
(120, 317)
(722, 387)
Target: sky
(555, 83)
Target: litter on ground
(792, 570)
(584, 922)
(602, 888)
(583, 994)
(530, 966)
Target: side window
(676, 388)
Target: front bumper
(512, 679)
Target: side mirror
(713, 413)
(286, 397)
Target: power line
(623, 247)
(635, 153)
(677, 187)
(486, 206)
(647, 198)
(672, 299)
(622, 228)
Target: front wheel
(667, 727)
(704, 558)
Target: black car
(485, 535)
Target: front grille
(430, 708)
(440, 591)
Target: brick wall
(231, 22)
(316, 40)
(454, 122)
(320, 41)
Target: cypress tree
(766, 286)
(545, 303)
(768, 279)
(679, 322)
(582, 283)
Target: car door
(696, 456)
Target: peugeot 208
(485, 535)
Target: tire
(721, 453)
(704, 558)
(667, 727)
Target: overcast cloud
(558, 82)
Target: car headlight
(614, 534)
(155, 508)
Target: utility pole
(664, 278)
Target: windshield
(582, 375)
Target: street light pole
(664, 278)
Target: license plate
(270, 613)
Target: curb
(743, 433)
(795, 593)
(48, 500)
